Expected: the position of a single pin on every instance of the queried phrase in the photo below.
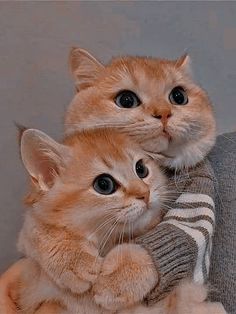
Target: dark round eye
(141, 169)
(178, 96)
(127, 99)
(105, 184)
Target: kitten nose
(163, 115)
(144, 197)
(139, 190)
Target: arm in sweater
(180, 245)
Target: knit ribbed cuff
(174, 254)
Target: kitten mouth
(134, 213)
(166, 134)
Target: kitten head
(153, 100)
(95, 179)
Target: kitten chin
(189, 154)
(155, 146)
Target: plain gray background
(35, 85)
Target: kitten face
(154, 101)
(100, 178)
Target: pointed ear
(42, 157)
(184, 62)
(84, 67)
(21, 129)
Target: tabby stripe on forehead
(190, 219)
(107, 163)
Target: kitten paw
(79, 275)
(127, 275)
(89, 268)
(70, 281)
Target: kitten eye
(141, 169)
(127, 99)
(178, 96)
(105, 184)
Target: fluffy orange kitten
(95, 185)
(89, 194)
(154, 100)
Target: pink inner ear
(41, 157)
(41, 166)
(84, 67)
(49, 171)
(184, 63)
(183, 60)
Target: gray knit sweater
(181, 244)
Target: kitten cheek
(155, 201)
(157, 145)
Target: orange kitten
(157, 103)
(88, 194)
(153, 100)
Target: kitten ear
(184, 62)
(42, 157)
(84, 67)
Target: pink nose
(163, 115)
(144, 197)
(138, 190)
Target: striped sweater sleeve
(181, 244)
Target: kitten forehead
(153, 67)
(105, 145)
(144, 75)
(102, 151)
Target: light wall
(35, 85)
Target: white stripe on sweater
(191, 212)
(200, 223)
(194, 198)
(208, 255)
(207, 261)
(200, 240)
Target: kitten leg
(9, 288)
(72, 263)
(127, 275)
(35, 289)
